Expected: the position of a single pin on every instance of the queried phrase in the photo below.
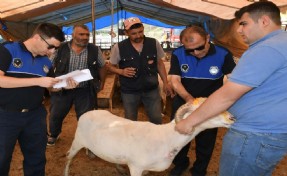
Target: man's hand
(129, 72)
(189, 100)
(184, 127)
(71, 84)
(47, 81)
(168, 90)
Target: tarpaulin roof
(21, 16)
(69, 12)
(223, 9)
(105, 21)
(79, 11)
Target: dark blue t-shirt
(201, 77)
(17, 61)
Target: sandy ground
(84, 166)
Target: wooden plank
(108, 91)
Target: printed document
(77, 75)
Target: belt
(10, 109)
(65, 91)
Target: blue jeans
(151, 101)
(30, 129)
(251, 154)
(62, 103)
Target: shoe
(52, 140)
(90, 154)
(178, 170)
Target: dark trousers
(29, 128)
(61, 103)
(151, 101)
(204, 145)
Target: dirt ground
(84, 166)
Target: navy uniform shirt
(17, 61)
(201, 77)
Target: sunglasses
(49, 45)
(197, 49)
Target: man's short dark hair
(258, 9)
(49, 30)
(135, 26)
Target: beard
(138, 40)
(81, 43)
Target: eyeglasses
(197, 49)
(49, 45)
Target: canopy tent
(223, 9)
(69, 12)
(21, 16)
(105, 21)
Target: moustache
(138, 39)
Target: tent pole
(112, 22)
(118, 24)
(93, 22)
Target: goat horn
(186, 108)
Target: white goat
(140, 145)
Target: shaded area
(83, 166)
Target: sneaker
(52, 140)
(178, 170)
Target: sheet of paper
(77, 75)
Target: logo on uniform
(45, 68)
(213, 70)
(17, 62)
(184, 68)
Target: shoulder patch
(17, 62)
(184, 68)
